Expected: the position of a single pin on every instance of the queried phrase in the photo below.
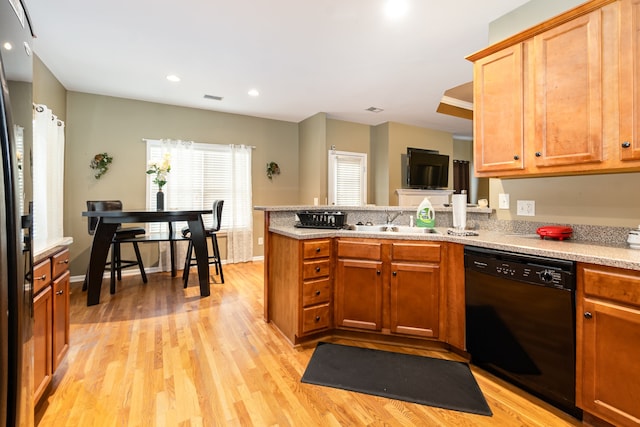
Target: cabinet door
(60, 318)
(498, 111)
(42, 355)
(630, 80)
(610, 380)
(358, 297)
(567, 98)
(415, 296)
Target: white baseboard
(136, 272)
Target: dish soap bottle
(425, 215)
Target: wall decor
(100, 164)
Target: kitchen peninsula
(408, 288)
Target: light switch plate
(526, 208)
(503, 201)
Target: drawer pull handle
(317, 293)
(626, 144)
(66, 261)
(43, 277)
(317, 319)
(317, 269)
(317, 250)
(538, 154)
(59, 292)
(588, 315)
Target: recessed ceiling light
(396, 8)
(253, 92)
(7, 46)
(374, 109)
(173, 78)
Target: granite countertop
(609, 255)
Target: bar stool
(117, 263)
(214, 258)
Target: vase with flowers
(160, 170)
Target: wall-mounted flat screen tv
(427, 169)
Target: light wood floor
(158, 355)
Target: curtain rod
(180, 140)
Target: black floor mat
(425, 380)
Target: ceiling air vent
(215, 98)
(375, 109)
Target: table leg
(99, 250)
(202, 255)
(172, 250)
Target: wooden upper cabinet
(629, 143)
(498, 111)
(567, 98)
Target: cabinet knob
(516, 157)
(59, 292)
(587, 315)
(317, 293)
(538, 154)
(395, 273)
(43, 277)
(317, 269)
(626, 144)
(317, 319)
(66, 261)
(317, 250)
(378, 272)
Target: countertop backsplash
(477, 219)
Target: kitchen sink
(390, 228)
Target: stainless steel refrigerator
(16, 262)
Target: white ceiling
(304, 56)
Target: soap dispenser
(425, 215)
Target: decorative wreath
(272, 169)
(100, 164)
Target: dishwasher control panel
(523, 268)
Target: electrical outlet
(260, 241)
(526, 208)
(503, 201)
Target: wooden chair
(122, 233)
(214, 258)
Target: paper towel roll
(459, 202)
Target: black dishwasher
(520, 321)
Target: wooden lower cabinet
(608, 343)
(299, 286)
(50, 317)
(42, 335)
(391, 287)
(359, 294)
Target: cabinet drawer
(314, 318)
(313, 269)
(415, 252)
(611, 283)
(41, 275)
(60, 263)
(316, 249)
(315, 292)
(360, 250)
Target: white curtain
(48, 176)
(240, 233)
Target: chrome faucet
(391, 216)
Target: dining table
(108, 223)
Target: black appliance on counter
(520, 322)
(16, 287)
